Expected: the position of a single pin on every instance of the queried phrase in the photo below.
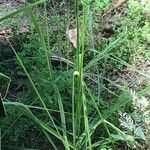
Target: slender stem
(41, 37)
(77, 23)
(74, 121)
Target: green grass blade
(8, 85)
(24, 109)
(115, 58)
(33, 85)
(41, 37)
(86, 122)
(62, 114)
(103, 53)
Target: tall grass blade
(62, 114)
(34, 87)
(24, 109)
(8, 85)
(41, 37)
(102, 54)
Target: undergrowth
(73, 102)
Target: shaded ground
(127, 76)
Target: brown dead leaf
(72, 34)
(119, 3)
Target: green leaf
(139, 133)
(117, 137)
(125, 137)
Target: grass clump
(72, 103)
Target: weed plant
(74, 106)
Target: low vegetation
(75, 74)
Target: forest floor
(126, 67)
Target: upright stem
(77, 23)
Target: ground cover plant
(75, 74)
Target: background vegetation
(94, 96)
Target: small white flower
(139, 102)
(144, 102)
(126, 121)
